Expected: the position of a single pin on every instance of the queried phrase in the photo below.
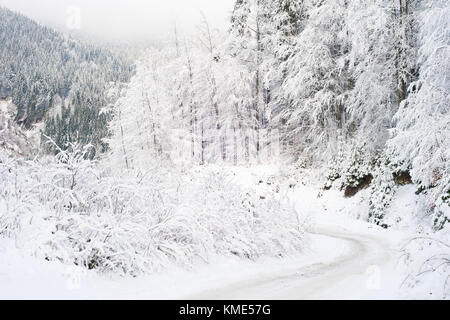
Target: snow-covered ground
(341, 263)
(344, 258)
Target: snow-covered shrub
(302, 163)
(382, 191)
(441, 218)
(76, 211)
(239, 222)
(333, 174)
(336, 166)
(358, 168)
(14, 203)
(350, 171)
(427, 262)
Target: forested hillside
(360, 87)
(53, 78)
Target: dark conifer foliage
(42, 70)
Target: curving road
(349, 266)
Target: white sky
(125, 19)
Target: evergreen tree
(41, 64)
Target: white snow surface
(345, 258)
(339, 263)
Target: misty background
(130, 20)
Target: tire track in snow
(324, 278)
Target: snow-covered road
(343, 259)
(347, 264)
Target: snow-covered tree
(316, 81)
(423, 120)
